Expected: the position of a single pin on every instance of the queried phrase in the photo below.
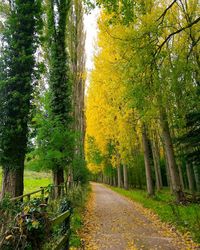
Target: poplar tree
(77, 55)
(17, 64)
(58, 70)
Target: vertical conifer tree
(16, 76)
(58, 68)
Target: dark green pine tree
(191, 140)
(59, 73)
(16, 85)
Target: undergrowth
(78, 201)
(24, 224)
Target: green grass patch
(33, 180)
(77, 217)
(185, 218)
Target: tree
(77, 55)
(58, 70)
(20, 40)
(147, 64)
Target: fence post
(29, 197)
(62, 191)
(68, 225)
(42, 194)
(52, 192)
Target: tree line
(42, 82)
(142, 107)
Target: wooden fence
(63, 243)
(62, 219)
(51, 190)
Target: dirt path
(116, 223)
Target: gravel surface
(116, 223)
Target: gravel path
(116, 223)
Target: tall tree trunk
(77, 52)
(114, 180)
(147, 161)
(119, 182)
(103, 177)
(197, 177)
(13, 181)
(70, 176)
(190, 177)
(169, 182)
(125, 176)
(175, 180)
(58, 179)
(110, 180)
(157, 167)
(181, 176)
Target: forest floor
(114, 222)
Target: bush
(29, 228)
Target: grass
(185, 218)
(77, 217)
(33, 180)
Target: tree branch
(176, 32)
(165, 12)
(194, 43)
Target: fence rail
(51, 189)
(41, 190)
(62, 219)
(64, 240)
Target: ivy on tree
(20, 39)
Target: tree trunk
(119, 177)
(147, 161)
(175, 180)
(181, 176)
(157, 168)
(58, 179)
(125, 176)
(190, 177)
(114, 180)
(157, 157)
(13, 181)
(103, 177)
(169, 182)
(76, 44)
(197, 177)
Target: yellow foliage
(109, 117)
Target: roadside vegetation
(135, 125)
(79, 204)
(185, 218)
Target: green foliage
(80, 171)
(78, 201)
(58, 61)
(190, 141)
(16, 77)
(94, 154)
(122, 10)
(30, 227)
(54, 145)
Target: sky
(90, 22)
